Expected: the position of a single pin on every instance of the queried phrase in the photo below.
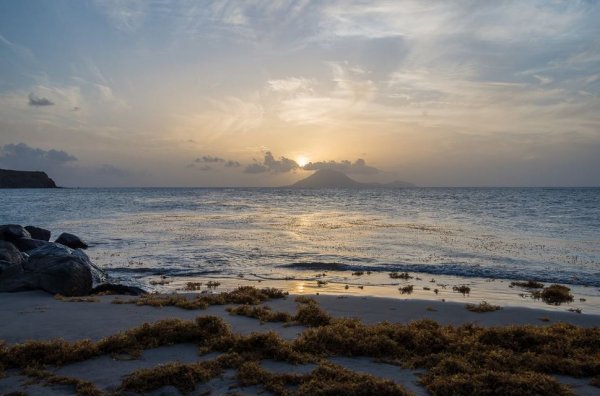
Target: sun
(301, 160)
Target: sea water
(141, 234)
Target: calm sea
(545, 234)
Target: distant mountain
(327, 178)
(25, 179)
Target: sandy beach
(38, 316)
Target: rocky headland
(25, 179)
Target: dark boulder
(72, 241)
(10, 232)
(60, 270)
(112, 288)
(13, 278)
(26, 244)
(38, 233)
(10, 253)
(11, 269)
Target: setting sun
(302, 160)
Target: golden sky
(261, 93)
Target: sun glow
(302, 160)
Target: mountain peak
(329, 178)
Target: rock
(10, 232)
(26, 244)
(11, 269)
(38, 233)
(58, 269)
(72, 241)
(10, 253)
(112, 288)
(13, 278)
(25, 179)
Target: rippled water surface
(550, 235)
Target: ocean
(139, 234)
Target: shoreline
(40, 316)
(380, 285)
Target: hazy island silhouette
(328, 178)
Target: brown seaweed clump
(325, 379)
(556, 295)
(262, 313)
(464, 289)
(530, 284)
(483, 307)
(406, 289)
(400, 275)
(241, 295)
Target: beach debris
(530, 284)
(436, 291)
(263, 313)
(358, 273)
(76, 299)
(483, 307)
(241, 295)
(213, 284)
(554, 294)
(193, 286)
(406, 289)
(106, 289)
(464, 289)
(400, 275)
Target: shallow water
(545, 234)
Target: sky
(263, 93)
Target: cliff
(25, 179)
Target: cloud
(357, 167)
(34, 100)
(209, 159)
(20, 156)
(283, 164)
(213, 160)
(232, 164)
(270, 164)
(255, 168)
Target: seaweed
(483, 307)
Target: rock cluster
(29, 261)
